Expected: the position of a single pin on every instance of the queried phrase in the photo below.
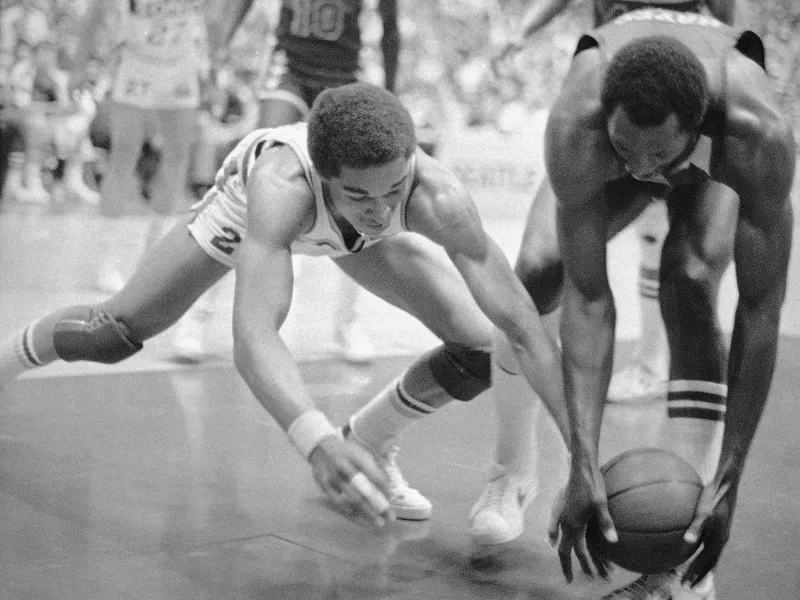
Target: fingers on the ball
(582, 552)
(606, 524)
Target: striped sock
(695, 423)
(17, 355)
(696, 400)
(385, 416)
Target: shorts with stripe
(220, 223)
(282, 82)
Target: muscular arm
(760, 150)
(578, 160)
(390, 42)
(263, 290)
(451, 220)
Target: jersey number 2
(225, 243)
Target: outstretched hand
(349, 477)
(712, 526)
(572, 509)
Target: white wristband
(308, 430)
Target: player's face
(650, 152)
(369, 197)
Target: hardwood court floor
(177, 484)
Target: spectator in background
(156, 87)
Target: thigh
(418, 277)
(703, 220)
(170, 277)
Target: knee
(542, 274)
(461, 371)
(93, 333)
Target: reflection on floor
(177, 484)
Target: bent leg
(174, 275)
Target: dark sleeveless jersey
(709, 39)
(321, 38)
(607, 10)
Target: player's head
(655, 95)
(654, 77)
(358, 125)
(361, 140)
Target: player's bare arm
(281, 208)
(579, 161)
(758, 164)
(443, 211)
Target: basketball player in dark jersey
(498, 515)
(675, 105)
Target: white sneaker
(353, 343)
(499, 514)
(408, 504)
(636, 382)
(665, 586)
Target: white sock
(517, 409)
(652, 229)
(17, 355)
(385, 416)
(695, 423)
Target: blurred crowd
(55, 136)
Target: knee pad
(463, 372)
(93, 334)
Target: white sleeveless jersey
(165, 30)
(325, 237)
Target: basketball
(652, 497)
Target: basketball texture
(652, 497)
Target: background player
(350, 185)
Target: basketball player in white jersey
(351, 184)
(162, 46)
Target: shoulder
(440, 202)
(758, 135)
(279, 197)
(578, 153)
